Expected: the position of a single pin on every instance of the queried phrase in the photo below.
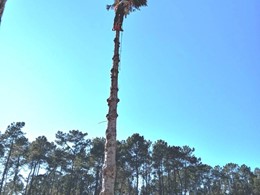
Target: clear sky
(189, 73)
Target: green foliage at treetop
(133, 4)
(73, 165)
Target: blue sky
(189, 73)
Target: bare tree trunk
(97, 182)
(15, 177)
(109, 168)
(2, 7)
(6, 166)
(32, 179)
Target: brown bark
(109, 168)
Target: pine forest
(72, 164)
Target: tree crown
(133, 5)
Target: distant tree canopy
(73, 165)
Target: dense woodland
(72, 165)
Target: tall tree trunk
(137, 182)
(180, 180)
(97, 182)
(15, 178)
(169, 181)
(175, 185)
(28, 179)
(6, 166)
(185, 179)
(109, 168)
(160, 182)
(71, 180)
(32, 179)
(2, 7)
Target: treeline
(72, 165)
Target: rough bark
(109, 168)
(2, 7)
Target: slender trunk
(180, 179)
(175, 185)
(130, 188)
(15, 178)
(185, 179)
(109, 168)
(81, 187)
(38, 169)
(6, 165)
(47, 183)
(2, 7)
(31, 182)
(160, 181)
(60, 186)
(137, 182)
(119, 182)
(50, 181)
(28, 179)
(162, 184)
(71, 179)
(169, 181)
(97, 182)
(147, 181)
